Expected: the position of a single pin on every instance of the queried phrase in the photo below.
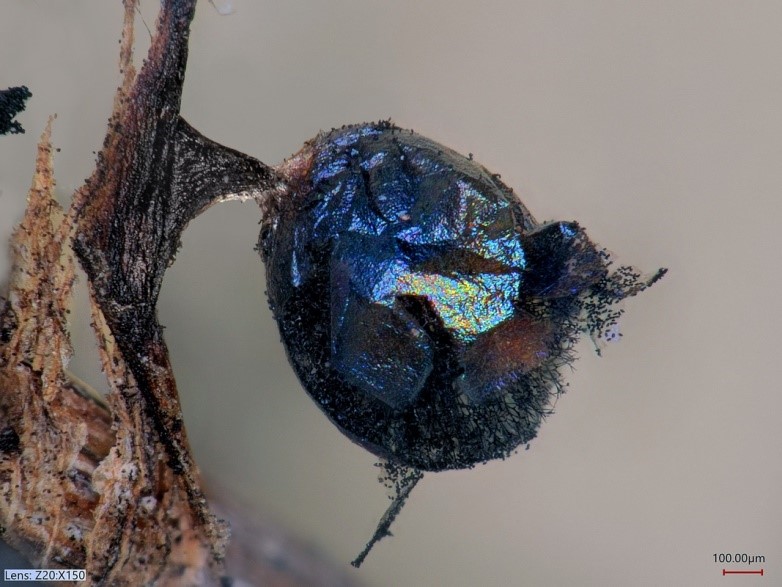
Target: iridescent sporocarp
(423, 308)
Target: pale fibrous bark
(111, 487)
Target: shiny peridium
(423, 308)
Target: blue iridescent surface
(421, 305)
(411, 225)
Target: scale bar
(727, 572)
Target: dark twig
(402, 491)
(154, 175)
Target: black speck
(9, 440)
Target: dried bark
(113, 488)
(53, 437)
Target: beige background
(657, 125)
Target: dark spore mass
(12, 102)
(422, 306)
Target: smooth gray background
(657, 125)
